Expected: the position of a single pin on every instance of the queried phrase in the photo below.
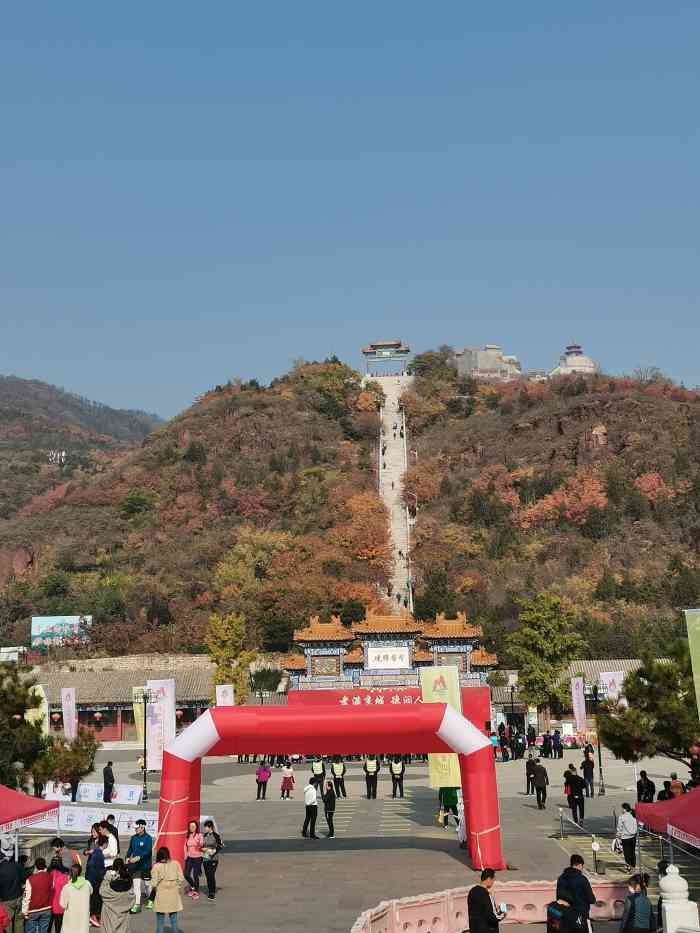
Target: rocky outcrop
(15, 563)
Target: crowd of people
(336, 769)
(96, 886)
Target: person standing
(677, 787)
(318, 770)
(547, 744)
(557, 747)
(10, 889)
(646, 789)
(448, 804)
(194, 855)
(531, 736)
(573, 881)
(287, 785)
(338, 770)
(329, 807)
(76, 901)
(212, 846)
(665, 794)
(36, 900)
(483, 915)
(94, 874)
(108, 843)
(262, 776)
(541, 780)
(397, 768)
(529, 775)
(58, 874)
(588, 770)
(138, 859)
(637, 913)
(627, 834)
(371, 769)
(115, 892)
(111, 822)
(108, 782)
(311, 808)
(166, 881)
(574, 794)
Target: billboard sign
(388, 658)
(52, 631)
(611, 684)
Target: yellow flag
(441, 685)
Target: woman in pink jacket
(262, 776)
(194, 853)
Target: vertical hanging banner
(70, 719)
(611, 684)
(137, 705)
(692, 620)
(225, 695)
(441, 685)
(578, 702)
(160, 721)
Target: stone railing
(446, 911)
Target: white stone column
(677, 910)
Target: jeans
(160, 923)
(192, 872)
(589, 786)
(210, 866)
(38, 922)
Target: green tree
(136, 502)
(226, 640)
(436, 597)
(661, 715)
(544, 643)
(21, 742)
(72, 760)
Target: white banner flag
(225, 695)
(160, 723)
(611, 684)
(578, 699)
(70, 719)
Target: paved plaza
(272, 878)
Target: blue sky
(194, 192)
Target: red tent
(679, 817)
(17, 809)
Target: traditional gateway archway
(429, 727)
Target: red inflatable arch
(231, 730)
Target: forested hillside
(255, 500)
(588, 489)
(48, 435)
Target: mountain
(587, 488)
(255, 500)
(48, 435)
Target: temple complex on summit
(383, 352)
(385, 651)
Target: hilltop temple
(385, 651)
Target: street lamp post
(148, 697)
(596, 701)
(512, 701)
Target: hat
(140, 822)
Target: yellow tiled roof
(420, 655)
(480, 658)
(293, 662)
(401, 624)
(324, 631)
(356, 656)
(451, 628)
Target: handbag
(616, 846)
(441, 815)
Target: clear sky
(191, 192)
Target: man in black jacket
(108, 781)
(646, 789)
(529, 775)
(397, 769)
(541, 779)
(576, 785)
(10, 888)
(572, 880)
(483, 916)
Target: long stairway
(392, 466)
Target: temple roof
(420, 656)
(458, 628)
(373, 624)
(293, 662)
(481, 658)
(324, 631)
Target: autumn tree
(70, 760)
(226, 642)
(543, 644)
(660, 716)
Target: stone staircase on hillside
(392, 465)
